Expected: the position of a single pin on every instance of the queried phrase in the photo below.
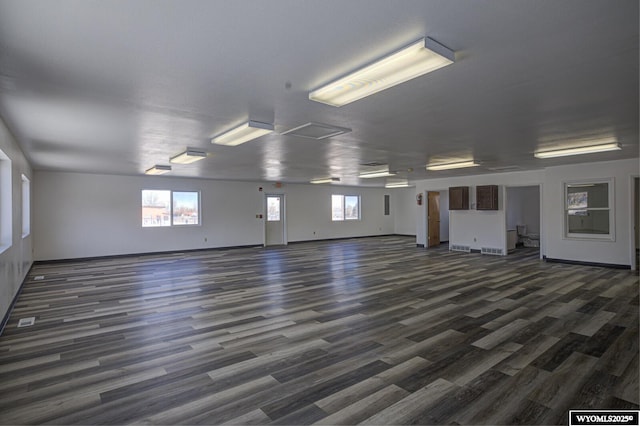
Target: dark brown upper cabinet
(459, 198)
(487, 197)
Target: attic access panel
(316, 131)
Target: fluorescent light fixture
(448, 166)
(402, 183)
(611, 146)
(326, 180)
(370, 175)
(414, 60)
(243, 133)
(158, 170)
(188, 157)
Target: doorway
(275, 223)
(523, 217)
(433, 218)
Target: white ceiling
(118, 86)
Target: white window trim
(611, 236)
(6, 202)
(187, 225)
(359, 208)
(26, 208)
(171, 224)
(344, 206)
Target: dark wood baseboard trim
(578, 262)
(116, 256)
(5, 320)
(348, 238)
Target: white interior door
(275, 220)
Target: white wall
(474, 228)
(488, 227)
(614, 252)
(523, 208)
(16, 260)
(85, 215)
(404, 210)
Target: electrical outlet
(475, 239)
(205, 239)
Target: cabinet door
(459, 198)
(487, 197)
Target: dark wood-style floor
(368, 330)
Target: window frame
(581, 236)
(279, 197)
(198, 210)
(6, 202)
(26, 206)
(344, 217)
(171, 209)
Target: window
(386, 205)
(186, 208)
(26, 206)
(170, 208)
(588, 211)
(6, 226)
(273, 209)
(345, 207)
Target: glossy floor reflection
(370, 330)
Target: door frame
(541, 207)
(632, 220)
(427, 242)
(423, 216)
(285, 240)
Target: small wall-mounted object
(487, 197)
(459, 198)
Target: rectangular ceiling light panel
(188, 157)
(399, 183)
(376, 174)
(611, 146)
(158, 170)
(419, 58)
(243, 133)
(449, 166)
(325, 180)
(370, 172)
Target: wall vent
(492, 251)
(458, 247)
(26, 322)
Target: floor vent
(458, 247)
(26, 322)
(38, 278)
(492, 251)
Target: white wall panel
(16, 260)
(85, 215)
